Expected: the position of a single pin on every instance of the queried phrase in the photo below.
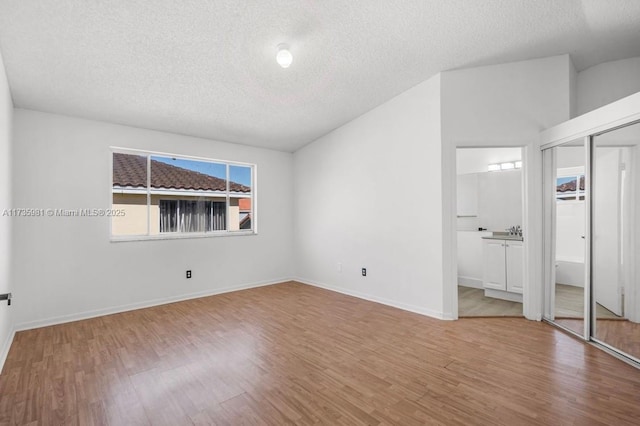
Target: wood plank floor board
(294, 354)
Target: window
(167, 196)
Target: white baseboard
(470, 282)
(571, 284)
(6, 345)
(381, 300)
(140, 305)
(447, 316)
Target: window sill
(180, 236)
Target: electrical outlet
(339, 267)
(189, 273)
(364, 272)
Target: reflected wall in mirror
(569, 225)
(616, 198)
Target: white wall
(477, 160)
(507, 104)
(497, 106)
(605, 83)
(67, 267)
(368, 195)
(570, 230)
(470, 261)
(6, 112)
(569, 157)
(573, 88)
(468, 195)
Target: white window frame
(184, 235)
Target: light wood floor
(473, 303)
(291, 353)
(569, 310)
(570, 303)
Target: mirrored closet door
(566, 229)
(615, 227)
(592, 238)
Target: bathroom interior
(489, 223)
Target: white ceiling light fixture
(507, 166)
(284, 56)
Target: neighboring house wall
(605, 83)
(134, 221)
(387, 156)
(6, 286)
(64, 162)
(234, 214)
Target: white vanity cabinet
(514, 255)
(495, 265)
(503, 261)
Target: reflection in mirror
(569, 216)
(616, 194)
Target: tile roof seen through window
(131, 171)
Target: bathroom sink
(503, 236)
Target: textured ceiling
(207, 68)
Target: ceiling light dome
(284, 56)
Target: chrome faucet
(515, 230)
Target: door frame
(531, 224)
(549, 232)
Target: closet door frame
(619, 114)
(550, 227)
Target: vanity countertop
(503, 236)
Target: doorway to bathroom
(490, 251)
